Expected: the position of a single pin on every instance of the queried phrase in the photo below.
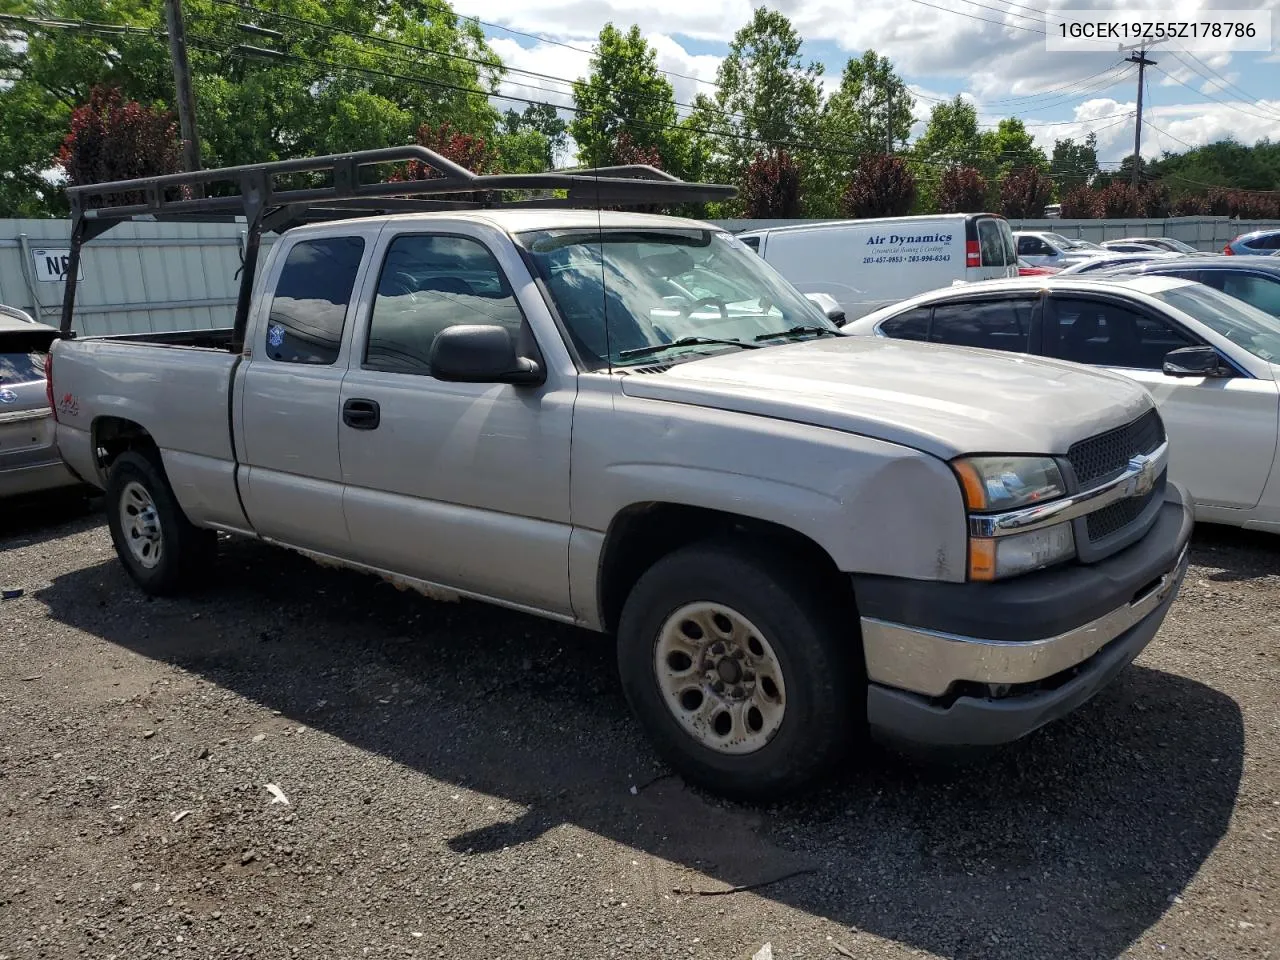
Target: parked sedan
(1045, 249)
(1210, 360)
(29, 461)
(1141, 244)
(1253, 279)
(1262, 242)
(1117, 261)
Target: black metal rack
(265, 205)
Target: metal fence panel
(137, 278)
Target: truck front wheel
(742, 669)
(162, 550)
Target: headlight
(1006, 483)
(1000, 557)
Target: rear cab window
(309, 306)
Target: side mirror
(1194, 362)
(472, 353)
(829, 306)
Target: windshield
(1242, 324)
(1058, 240)
(1177, 245)
(620, 291)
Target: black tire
(813, 635)
(186, 551)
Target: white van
(869, 264)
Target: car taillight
(48, 383)
(1228, 251)
(972, 255)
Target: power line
(974, 16)
(570, 46)
(1207, 96)
(1222, 82)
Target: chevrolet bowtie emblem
(1143, 480)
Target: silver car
(29, 460)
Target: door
(288, 395)
(995, 247)
(461, 484)
(1222, 431)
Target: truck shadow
(1070, 844)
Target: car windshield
(1177, 245)
(621, 291)
(1066, 243)
(1242, 324)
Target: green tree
(869, 113)
(519, 129)
(951, 137)
(767, 97)
(625, 92)
(334, 83)
(1074, 164)
(1010, 147)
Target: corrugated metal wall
(137, 278)
(1204, 233)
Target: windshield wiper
(796, 331)
(685, 342)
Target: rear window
(996, 244)
(21, 367)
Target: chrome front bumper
(929, 663)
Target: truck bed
(176, 386)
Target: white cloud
(1003, 67)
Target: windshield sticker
(275, 335)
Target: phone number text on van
(913, 258)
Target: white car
(1046, 249)
(1141, 244)
(1211, 362)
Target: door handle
(361, 414)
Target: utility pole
(186, 97)
(1140, 58)
(888, 109)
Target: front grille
(1117, 516)
(1105, 456)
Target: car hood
(943, 400)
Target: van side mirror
(829, 306)
(475, 353)
(1195, 362)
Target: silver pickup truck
(630, 423)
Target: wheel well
(113, 436)
(643, 533)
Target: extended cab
(631, 423)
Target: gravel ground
(465, 782)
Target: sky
(990, 51)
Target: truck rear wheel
(162, 550)
(743, 673)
